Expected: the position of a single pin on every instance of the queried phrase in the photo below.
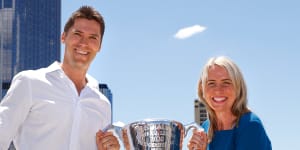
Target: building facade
(107, 92)
(29, 36)
(200, 112)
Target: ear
(63, 37)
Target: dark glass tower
(107, 92)
(29, 36)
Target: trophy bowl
(153, 134)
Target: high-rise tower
(107, 92)
(200, 112)
(29, 36)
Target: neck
(77, 76)
(225, 121)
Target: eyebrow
(76, 30)
(221, 80)
(226, 80)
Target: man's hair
(89, 13)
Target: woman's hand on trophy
(107, 141)
(198, 140)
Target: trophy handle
(116, 128)
(192, 125)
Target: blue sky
(153, 52)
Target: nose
(219, 89)
(83, 41)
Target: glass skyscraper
(107, 92)
(29, 36)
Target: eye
(211, 84)
(227, 83)
(93, 37)
(77, 33)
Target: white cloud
(189, 31)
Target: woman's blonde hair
(240, 104)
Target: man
(60, 107)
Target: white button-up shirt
(43, 111)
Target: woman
(230, 125)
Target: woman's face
(219, 91)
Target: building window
(7, 4)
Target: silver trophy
(153, 134)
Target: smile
(219, 99)
(82, 52)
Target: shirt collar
(56, 66)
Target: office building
(107, 92)
(29, 36)
(200, 112)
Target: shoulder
(34, 75)
(249, 118)
(26, 75)
(250, 124)
(92, 82)
(251, 127)
(31, 74)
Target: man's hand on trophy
(125, 139)
(198, 140)
(107, 141)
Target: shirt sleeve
(14, 108)
(252, 136)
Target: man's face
(82, 42)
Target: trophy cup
(153, 134)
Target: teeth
(81, 52)
(218, 99)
